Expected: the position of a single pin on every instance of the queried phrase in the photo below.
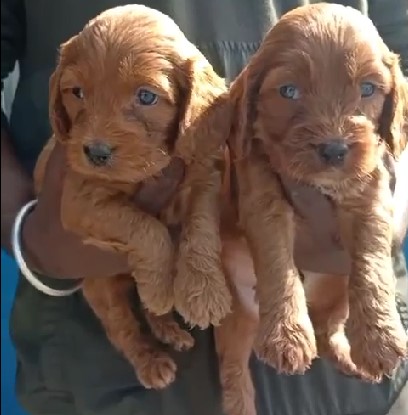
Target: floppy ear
(59, 118)
(206, 112)
(240, 137)
(393, 126)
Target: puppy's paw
(377, 348)
(153, 275)
(237, 402)
(157, 299)
(202, 298)
(288, 346)
(171, 333)
(157, 372)
(181, 341)
(336, 348)
(238, 394)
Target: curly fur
(117, 53)
(326, 51)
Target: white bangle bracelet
(30, 276)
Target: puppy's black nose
(98, 153)
(333, 152)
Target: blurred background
(9, 405)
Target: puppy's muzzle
(333, 152)
(98, 153)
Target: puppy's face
(125, 93)
(323, 93)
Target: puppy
(129, 97)
(324, 103)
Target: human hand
(318, 246)
(53, 251)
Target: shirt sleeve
(12, 40)
(391, 20)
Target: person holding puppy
(66, 366)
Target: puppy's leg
(286, 337)
(167, 330)
(201, 293)
(113, 222)
(109, 299)
(234, 338)
(327, 298)
(375, 331)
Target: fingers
(315, 209)
(155, 193)
(49, 178)
(332, 262)
(318, 245)
(56, 165)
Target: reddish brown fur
(325, 50)
(117, 53)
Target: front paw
(201, 295)
(336, 348)
(377, 347)
(171, 333)
(152, 270)
(180, 339)
(288, 346)
(157, 299)
(238, 394)
(157, 372)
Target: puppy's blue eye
(367, 89)
(289, 91)
(78, 92)
(146, 97)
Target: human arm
(47, 248)
(16, 184)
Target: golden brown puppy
(130, 95)
(324, 103)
